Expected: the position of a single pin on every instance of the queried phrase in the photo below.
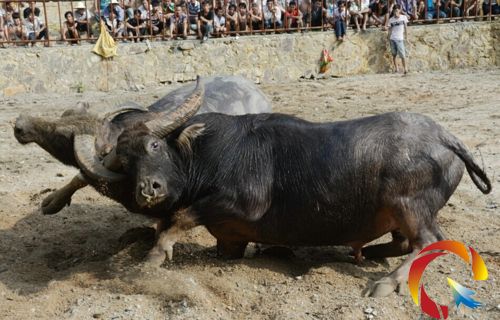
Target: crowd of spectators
(129, 20)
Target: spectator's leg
(42, 34)
(338, 30)
(394, 52)
(209, 29)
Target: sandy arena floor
(84, 262)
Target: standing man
(397, 35)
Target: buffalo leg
(417, 241)
(182, 221)
(55, 201)
(399, 246)
(231, 249)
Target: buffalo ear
(81, 108)
(66, 131)
(188, 135)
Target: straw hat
(114, 2)
(80, 5)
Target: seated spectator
(136, 27)
(305, 8)
(115, 27)
(452, 8)
(272, 16)
(232, 19)
(156, 21)
(31, 8)
(242, 16)
(365, 12)
(293, 16)
(255, 17)
(128, 6)
(4, 33)
(495, 8)
(408, 8)
(145, 8)
(114, 7)
(17, 31)
(193, 10)
(69, 30)
(379, 13)
(83, 19)
(205, 22)
(340, 15)
(219, 22)
(317, 13)
(35, 29)
(10, 9)
(432, 12)
(328, 22)
(168, 9)
(179, 24)
(355, 12)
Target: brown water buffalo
(277, 179)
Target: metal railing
(47, 22)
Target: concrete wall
(261, 58)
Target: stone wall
(264, 58)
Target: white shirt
(397, 26)
(32, 27)
(82, 15)
(219, 21)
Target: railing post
(46, 23)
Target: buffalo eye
(155, 145)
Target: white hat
(80, 5)
(114, 2)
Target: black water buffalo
(277, 179)
(228, 94)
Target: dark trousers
(339, 28)
(495, 9)
(41, 35)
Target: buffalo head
(146, 154)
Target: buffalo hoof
(155, 257)
(383, 287)
(54, 203)
(230, 250)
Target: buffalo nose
(150, 188)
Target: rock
(186, 45)
(368, 310)
(12, 91)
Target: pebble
(298, 278)
(368, 310)
(184, 304)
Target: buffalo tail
(477, 174)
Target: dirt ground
(85, 262)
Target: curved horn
(88, 160)
(109, 116)
(163, 125)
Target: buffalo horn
(163, 125)
(112, 114)
(88, 160)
